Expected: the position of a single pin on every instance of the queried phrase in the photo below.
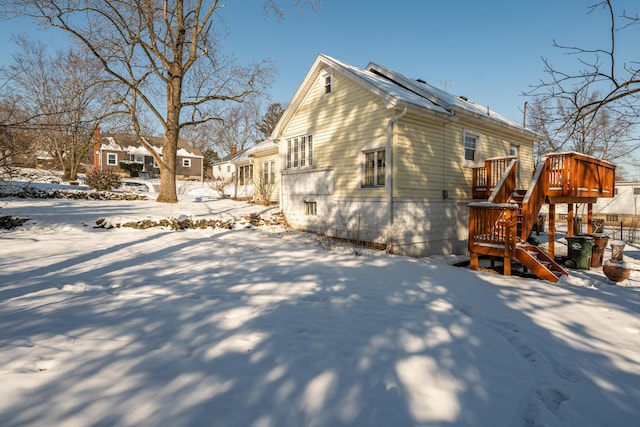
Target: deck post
(589, 217)
(473, 260)
(551, 249)
(570, 220)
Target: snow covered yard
(265, 327)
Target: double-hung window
(268, 172)
(374, 168)
(186, 163)
(245, 174)
(327, 82)
(112, 159)
(299, 151)
(471, 141)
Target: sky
(489, 51)
(268, 327)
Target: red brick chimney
(234, 150)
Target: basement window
(310, 208)
(612, 218)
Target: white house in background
(224, 169)
(252, 173)
(623, 207)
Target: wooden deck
(501, 225)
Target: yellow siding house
(373, 156)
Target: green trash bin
(600, 241)
(579, 250)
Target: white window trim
(476, 160)
(323, 82)
(115, 156)
(186, 163)
(369, 149)
(290, 150)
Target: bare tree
(66, 96)
(17, 147)
(270, 119)
(164, 54)
(237, 130)
(606, 134)
(202, 137)
(616, 80)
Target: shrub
(103, 180)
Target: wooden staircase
(501, 225)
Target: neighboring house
(224, 169)
(623, 207)
(111, 149)
(371, 155)
(266, 171)
(256, 173)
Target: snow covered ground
(265, 327)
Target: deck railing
(506, 185)
(492, 228)
(579, 175)
(535, 198)
(568, 175)
(485, 178)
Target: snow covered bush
(103, 180)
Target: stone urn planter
(616, 269)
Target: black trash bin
(579, 250)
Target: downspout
(389, 163)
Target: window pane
(302, 148)
(380, 172)
(369, 168)
(310, 150)
(469, 147)
(288, 154)
(272, 171)
(295, 152)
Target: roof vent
(464, 98)
(421, 81)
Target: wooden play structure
(500, 225)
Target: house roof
(130, 144)
(231, 158)
(260, 148)
(398, 91)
